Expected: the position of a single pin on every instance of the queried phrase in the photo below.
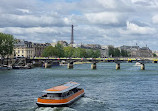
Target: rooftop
(62, 88)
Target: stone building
(38, 48)
(63, 43)
(91, 46)
(23, 49)
(136, 51)
(145, 52)
(104, 51)
(28, 49)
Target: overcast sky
(105, 22)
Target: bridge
(70, 61)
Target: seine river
(106, 89)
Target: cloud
(102, 18)
(146, 3)
(24, 10)
(107, 3)
(96, 21)
(155, 19)
(10, 20)
(135, 29)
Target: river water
(106, 89)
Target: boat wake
(87, 100)
(55, 109)
(90, 104)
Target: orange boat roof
(62, 88)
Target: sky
(105, 22)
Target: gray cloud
(117, 22)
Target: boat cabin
(62, 95)
(62, 91)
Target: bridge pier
(142, 66)
(117, 66)
(46, 65)
(70, 65)
(93, 66)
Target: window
(22, 51)
(18, 51)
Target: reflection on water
(106, 89)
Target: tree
(79, 52)
(111, 51)
(49, 51)
(68, 51)
(154, 55)
(97, 53)
(6, 44)
(117, 52)
(89, 53)
(124, 53)
(59, 50)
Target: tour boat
(63, 95)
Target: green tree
(6, 44)
(124, 53)
(97, 53)
(89, 53)
(68, 51)
(49, 51)
(79, 52)
(154, 55)
(59, 50)
(111, 51)
(117, 52)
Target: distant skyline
(105, 22)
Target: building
(77, 45)
(63, 43)
(136, 51)
(38, 48)
(91, 46)
(23, 49)
(104, 51)
(28, 49)
(53, 44)
(145, 52)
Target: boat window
(53, 95)
(64, 94)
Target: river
(106, 89)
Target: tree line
(60, 51)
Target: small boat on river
(138, 64)
(63, 95)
